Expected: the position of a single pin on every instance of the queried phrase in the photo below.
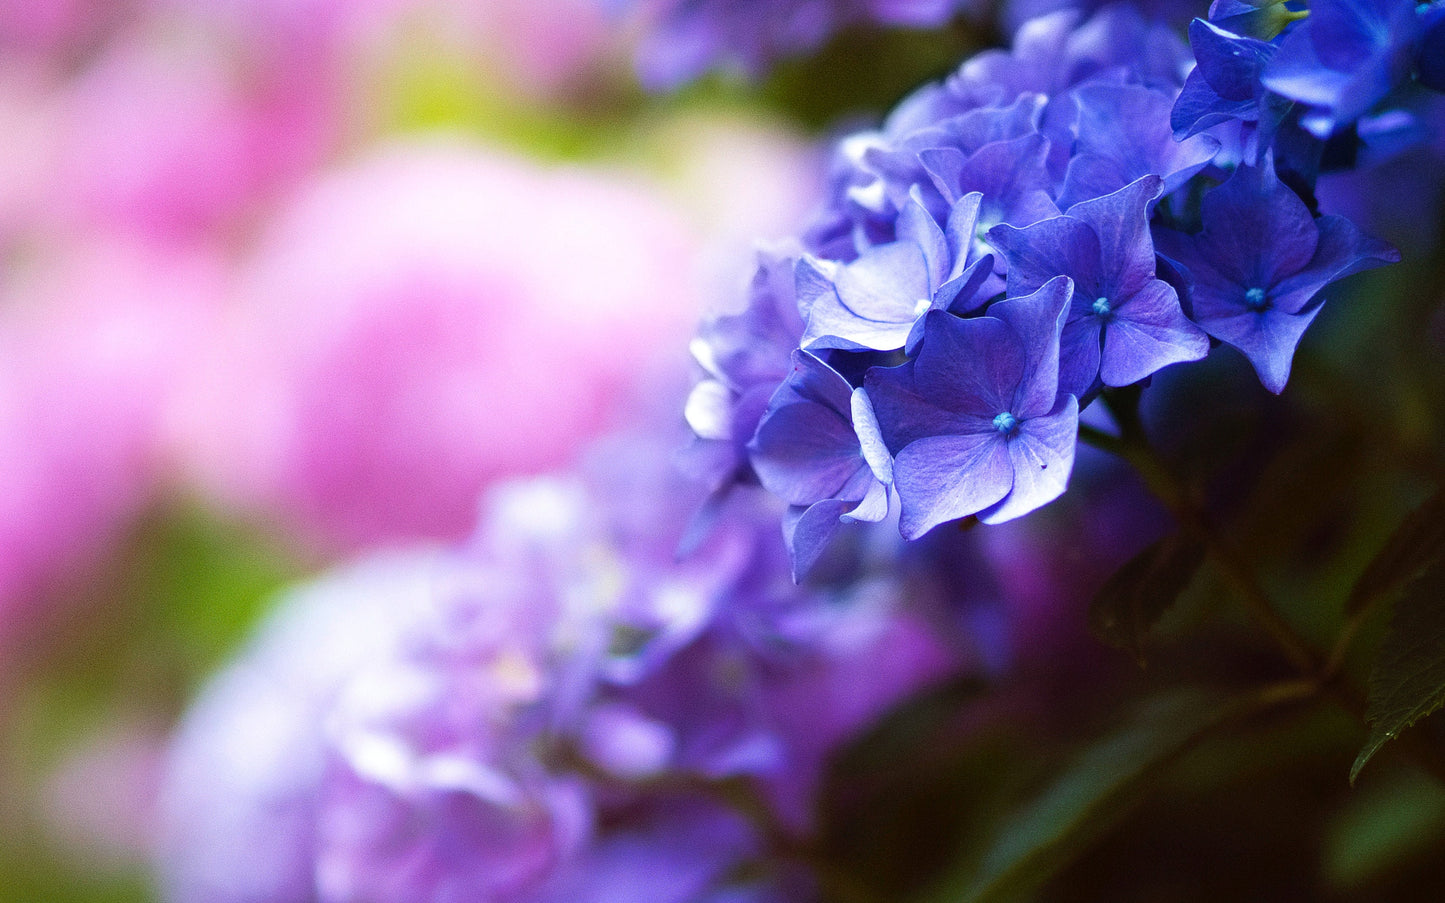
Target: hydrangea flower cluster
(685, 38)
(1056, 219)
(557, 711)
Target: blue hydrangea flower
(744, 356)
(1256, 269)
(1123, 323)
(1225, 84)
(1344, 58)
(818, 447)
(1430, 64)
(877, 302)
(1125, 134)
(1260, 19)
(976, 422)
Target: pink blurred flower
(428, 319)
(537, 49)
(174, 139)
(44, 27)
(90, 342)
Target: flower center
(1102, 308)
(1005, 422)
(921, 307)
(1255, 300)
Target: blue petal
(1042, 456)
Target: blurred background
(285, 281)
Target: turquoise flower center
(1005, 422)
(1102, 307)
(1255, 299)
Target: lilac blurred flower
(245, 766)
(1256, 269)
(685, 38)
(382, 369)
(1344, 58)
(540, 715)
(1124, 323)
(976, 423)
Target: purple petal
(807, 532)
(1079, 354)
(1121, 223)
(1036, 321)
(1268, 339)
(971, 366)
(1256, 230)
(917, 226)
(875, 302)
(943, 478)
(1342, 251)
(1061, 246)
(1042, 456)
(805, 448)
(870, 438)
(872, 509)
(961, 231)
(1148, 332)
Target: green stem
(1324, 677)
(1193, 520)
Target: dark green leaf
(1128, 606)
(1416, 544)
(1408, 681)
(1383, 827)
(1088, 798)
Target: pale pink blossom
(426, 320)
(91, 340)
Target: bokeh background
(284, 282)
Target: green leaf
(1408, 681)
(1132, 601)
(1383, 828)
(1416, 544)
(1095, 792)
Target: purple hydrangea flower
(1123, 323)
(1430, 64)
(1124, 135)
(745, 355)
(1261, 19)
(1344, 58)
(1256, 269)
(877, 302)
(818, 449)
(1225, 84)
(976, 422)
